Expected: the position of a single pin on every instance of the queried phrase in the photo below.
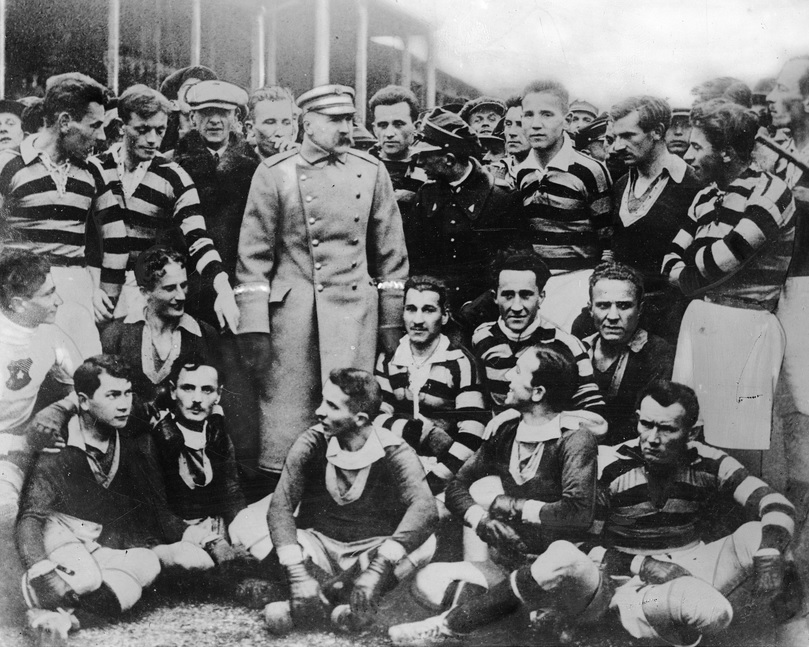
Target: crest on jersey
(18, 377)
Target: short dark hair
(427, 283)
(33, 116)
(613, 271)
(726, 125)
(270, 93)
(362, 389)
(390, 95)
(525, 262)
(514, 101)
(189, 367)
(667, 393)
(150, 266)
(87, 378)
(558, 373)
(22, 273)
(71, 93)
(652, 112)
(724, 87)
(143, 101)
(551, 87)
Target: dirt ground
(191, 618)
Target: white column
(257, 75)
(113, 44)
(2, 48)
(361, 65)
(320, 74)
(407, 64)
(271, 46)
(430, 72)
(196, 31)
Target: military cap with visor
(215, 94)
(329, 99)
(445, 131)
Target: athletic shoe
(432, 631)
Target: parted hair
(726, 125)
(143, 101)
(666, 393)
(87, 378)
(652, 112)
(427, 283)
(151, 264)
(362, 389)
(71, 93)
(270, 93)
(22, 273)
(390, 95)
(557, 372)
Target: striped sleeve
(187, 215)
(110, 237)
(599, 202)
(760, 501)
(588, 396)
(708, 261)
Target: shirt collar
(403, 355)
(521, 336)
(673, 165)
(218, 151)
(551, 430)
(314, 154)
(28, 151)
(469, 168)
(187, 322)
(368, 454)
(564, 157)
(635, 344)
(75, 436)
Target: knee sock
(498, 601)
(102, 602)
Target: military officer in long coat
(321, 268)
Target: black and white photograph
(365, 323)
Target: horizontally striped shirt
(499, 352)
(568, 205)
(43, 217)
(451, 397)
(794, 176)
(738, 243)
(164, 200)
(701, 487)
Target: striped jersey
(45, 209)
(164, 201)
(702, 486)
(738, 242)
(568, 205)
(498, 349)
(794, 176)
(448, 393)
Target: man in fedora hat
(321, 266)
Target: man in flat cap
(462, 216)
(483, 114)
(580, 114)
(321, 268)
(11, 132)
(174, 88)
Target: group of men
(595, 318)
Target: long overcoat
(322, 264)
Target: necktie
(216, 159)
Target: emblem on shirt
(18, 377)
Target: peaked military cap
(592, 131)
(482, 102)
(442, 130)
(580, 105)
(330, 99)
(215, 94)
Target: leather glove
(370, 585)
(53, 592)
(306, 601)
(768, 567)
(506, 508)
(501, 536)
(655, 571)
